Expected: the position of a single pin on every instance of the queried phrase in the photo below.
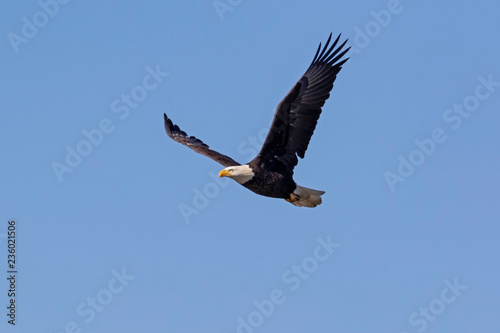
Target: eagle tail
(305, 197)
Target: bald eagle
(270, 173)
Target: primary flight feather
(270, 173)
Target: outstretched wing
(195, 144)
(297, 114)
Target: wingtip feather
(168, 124)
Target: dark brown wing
(195, 144)
(297, 114)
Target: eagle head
(240, 173)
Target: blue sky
(406, 148)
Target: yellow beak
(224, 173)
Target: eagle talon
(293, 198)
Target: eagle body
(270, 173)
(270, 180)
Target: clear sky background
(136, 235)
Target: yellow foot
(293, 198)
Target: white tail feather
(305, 197)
